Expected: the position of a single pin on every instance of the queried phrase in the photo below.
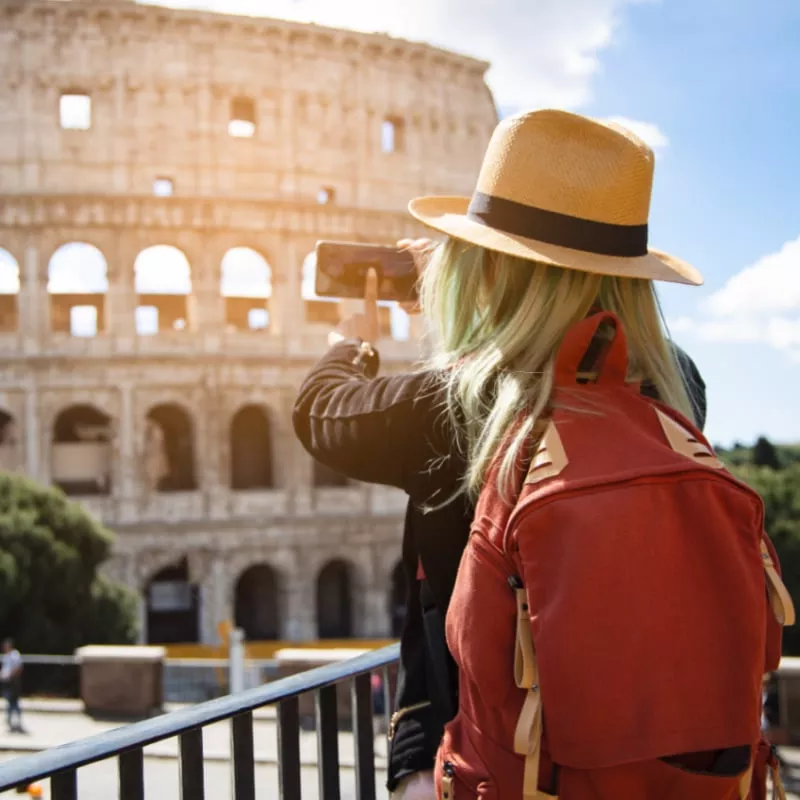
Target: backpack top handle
(611, 364)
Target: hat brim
(449, 215)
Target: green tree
(765, 454)
(52, 599)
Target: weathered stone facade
(164, 88)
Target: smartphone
(342, 271)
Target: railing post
(236, 661)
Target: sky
(712, 86)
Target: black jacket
(394, 431)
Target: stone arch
(168, 457)
(173, 605)
(251, 443)
(9, 292)
(163, 283)
(77, 283)
(246, 285)
(81, 458)
(335, 600)
(317, 310)
(10, 445)
(398, 599)
(257, 602)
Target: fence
(60, 765)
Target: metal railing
(60, 764)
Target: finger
(371, 304)
(410, 308)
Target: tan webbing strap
(778, 792)
(779, 598)
(746, 782)
(528, 733)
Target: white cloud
(646, 131)
(759, 304)
(543, 53)
(770, 285)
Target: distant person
(11, 679)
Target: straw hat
(562, 189)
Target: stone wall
(163, 86)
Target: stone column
(207, 311)
(286, 304)
(299, 621)
(121, 299)
(34, 302)
(31, 433)
(218, 607)
(375, 621)
(127, 455)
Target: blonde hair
(497, 322)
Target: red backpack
(613, 624)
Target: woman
(521, 265)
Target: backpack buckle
(515, 582)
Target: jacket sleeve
(388, 430)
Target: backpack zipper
(448, 781)
(400, 713)
(521, 510)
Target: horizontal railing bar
(140, 734)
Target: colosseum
(164, 177)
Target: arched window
(247, 288)
(257, 603)
(398, 599)
(251, 449)
(9, 292)
(77, 285)
(163, 284)
(335, 601)
(242, 124)
(173, 606)
(168, 451)
(81, 456)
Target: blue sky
(719, 79)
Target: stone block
(122, 682)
